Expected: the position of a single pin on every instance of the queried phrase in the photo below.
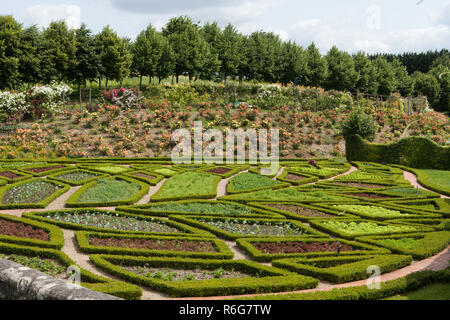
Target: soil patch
(360, 185)
(368, 195)
(143, 175)
(294, 177)
(9, 175)
(39, 170)
(17, 229)
(301, 247)
(150, 244)
(219, 170)
(302, 211)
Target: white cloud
(170, 6)
(372, 46)
(43, 15)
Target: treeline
(30, 55)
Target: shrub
(359, 123)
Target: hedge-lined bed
(296, 178)
(343, 269)
(352, 228)
(107, 192)
(418, 245)
(13, 176)
(236, 228)
(376, 211)
(33, 193)
(225, 171)
(138, 245)
(300, 211)
(44, 169)
(30, 233)
(108, 168)
(199, 208)
(145, 176)
(188, 185)
(76, 177)
(248, 182)
(269, 249)
(385, 195)
(53, 261)
(3, 182)
(440, 206)
(92, 219)
(246, 276)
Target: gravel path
(411, 177)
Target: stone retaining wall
(22, 283)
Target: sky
(391, 26)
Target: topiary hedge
(56, 176)
(416, 152)
(343, 269)
(261, 278)
(307, 177)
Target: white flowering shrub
(272, 96)
(13, 106)
(48, 98)
(124, 98)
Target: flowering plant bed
(343, 269)
(76, 177)
(296, 178)
(244, 276)
(236, 228)
(266, 250)
(205, 248)
(34, 193)
(114, 222)
(108, 168)
(198, 208)
(31, 233)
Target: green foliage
(427, 85)
(10, 35)
(361, 124)
(248, 181)
(341, 70)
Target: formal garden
(148, 229)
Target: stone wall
(21, 283)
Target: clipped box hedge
(3, 182)
(319, 224)
(442, 205)
(291, 215)
(436, 224)
(56, 176)
(147, 209)
(55, 234)
(270, 279)
(222, 250)
(72, 202)
(429, 244)
(425, 181)
(232, 189)
(38, 205)
(194, 222)
(233, 170)
(246, 244)
(387, 289)
(416, 152)
(102, 168)
(88, 280)
(385, 196)
(405, 214)
(186, 230)
(343, 269)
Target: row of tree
(29, 56)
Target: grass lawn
(437, 291)
(109, 190)
(440, 178)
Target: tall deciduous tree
(317, 69)
(367, 80)
(405, 83)
(341, 70)
(293, 63)
(166, 63)
(427, 85)
(88, 61)
(61, 43)
(114, 55)
(386, 76)
(10, 36)
(264, 56)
